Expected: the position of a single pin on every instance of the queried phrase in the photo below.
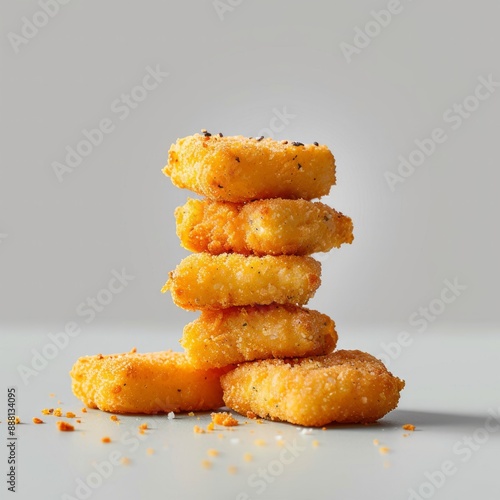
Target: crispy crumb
(323, 428)
(37, 420)
(134, 349)
(247, 457)
(59, 402)
(376, 442)
(114, 418)
(220, 435)
(232, 469)
(150, 451)
(84, 410)
(47, 411)
(315, 443)
(142, 428)
(125, 460)
(224, 418)
(57, 412)
(212, 452)
(70, 414)
(409, 427)
(198, 430)
(51, 395)
(78, 421)
(64, 426)
(280, 442)
(206, 464)
(17, 420)
(259, 442)
(251, 414)
(383, 450)
(106, 439)
(191, 414)
(210, 427)
(259, 421)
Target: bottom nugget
(145, 383)
(236, 334)
(343, 387)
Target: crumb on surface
(220, 435)
(384, 450)
(224, 418)
(143, 427)
(191, 414)
(280, 442)
(17, 420)
(212, 452)
(198, 430)
(323, 428)
(150, 451)
(57, 412)
(64, 426)
(106, 439)
(376, 442)
(210, 427)
(114, 418)
(125, 460)
(206, 464)
(51, 395)
(247, 457)
(409, 427)
(78, 421)
(47, 411)
(251, 414)
(315, 443)
(232, 469)
(37, 420)
(70, 414)
(259, 442)
(84, 410)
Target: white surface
(452, 383)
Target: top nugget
(241, 169)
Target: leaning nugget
(217, 281)
(344, 387)
(241, 169)
(272, 227)
(145, 383)
(234, 335)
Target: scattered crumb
(125, 461)
(46, 411)
(134, 349)
(198, 430)
(247, 457)
(114, 418)
(232, 469)
(57, 412)
(150, 451)
(206, 464)
(376, 442)
(383, 450)
(17, 420)
(78, 421)
(191, 414)
(171, 415)
(221, 436)
(251, 414)
(210, 427)
(323, 428)
(224, 418)
(280, 442)
(51, 395)
(70, 414)
(315, 443)
(59, 402)
(409, 427)
(37, 420)
(259, 421)
(106, 439)
(212, 452)
(84, 410)
(259, 442)
(64, 426)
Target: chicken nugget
(343, 387)
(145, 383)
(235, 335)
(217, 281)
(241, 169)
(263, 227)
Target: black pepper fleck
(315, 143)
(258, 139)
(220, 187)
(299, 166)
(237, 158)
(220, 134)
(297, 143)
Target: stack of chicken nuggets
(254, 347)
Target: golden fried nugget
(217, 281)
(263, 227)
(241, 169)
(344, 387)
(235, 335)
(145, 383)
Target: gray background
(61, 240)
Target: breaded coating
(217, 281)
(234, 335)
(241, 169)
(343, 387)
(263, 227)
(145, 383)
